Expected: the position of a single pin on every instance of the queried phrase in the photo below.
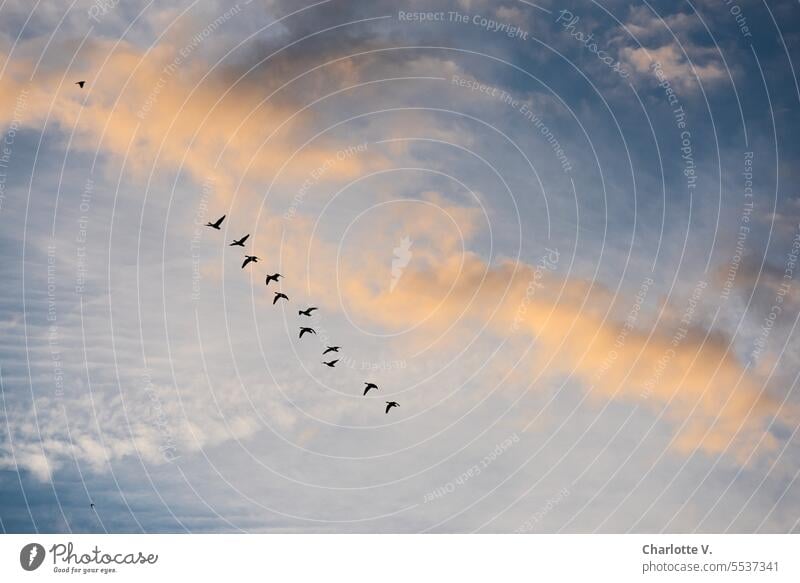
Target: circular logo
(31, 556)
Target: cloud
(683, 73)
(162, 109)
(670, 363)
(668, 40)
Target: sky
(562, 236)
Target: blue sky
(570, 259)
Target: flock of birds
(248, 259)
(275, 277)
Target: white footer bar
(389, 558)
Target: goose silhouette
(239, 242)
(307, 312)
(390, 404)
(332, 363)
(249, 259)
(279, 296)
(216, 224)
(304, 330)
(369, 387)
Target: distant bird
(306, 312)
(249, 259)
(274, 277)
(390, 404)
(91, 505)
(331, 363)
(239, 242)
(303, 330)
(369, 386)
(331, 349)
(80, 84)
(217, 224)
(278, 296)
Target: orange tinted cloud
(668, 364)
(162, 109)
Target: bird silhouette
(278, 296)
(80, 84)
(217, 224)
(331, 349)
(91, 505)
(306, 312)
(390, 404)
(369, 387)
(274, 277)
(249, 259)
(239, 242)
(331, 363)
(303, 330)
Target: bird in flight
(91, 505)
(331, 363)
(249, 259)
(331, 349)
(303, 330)
(239, 242)
(217, 224)
(369, 387)
(80, 84)
(274, 277)
(306, 312)
(390, 404)
(278, 296)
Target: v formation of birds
(217, 225)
